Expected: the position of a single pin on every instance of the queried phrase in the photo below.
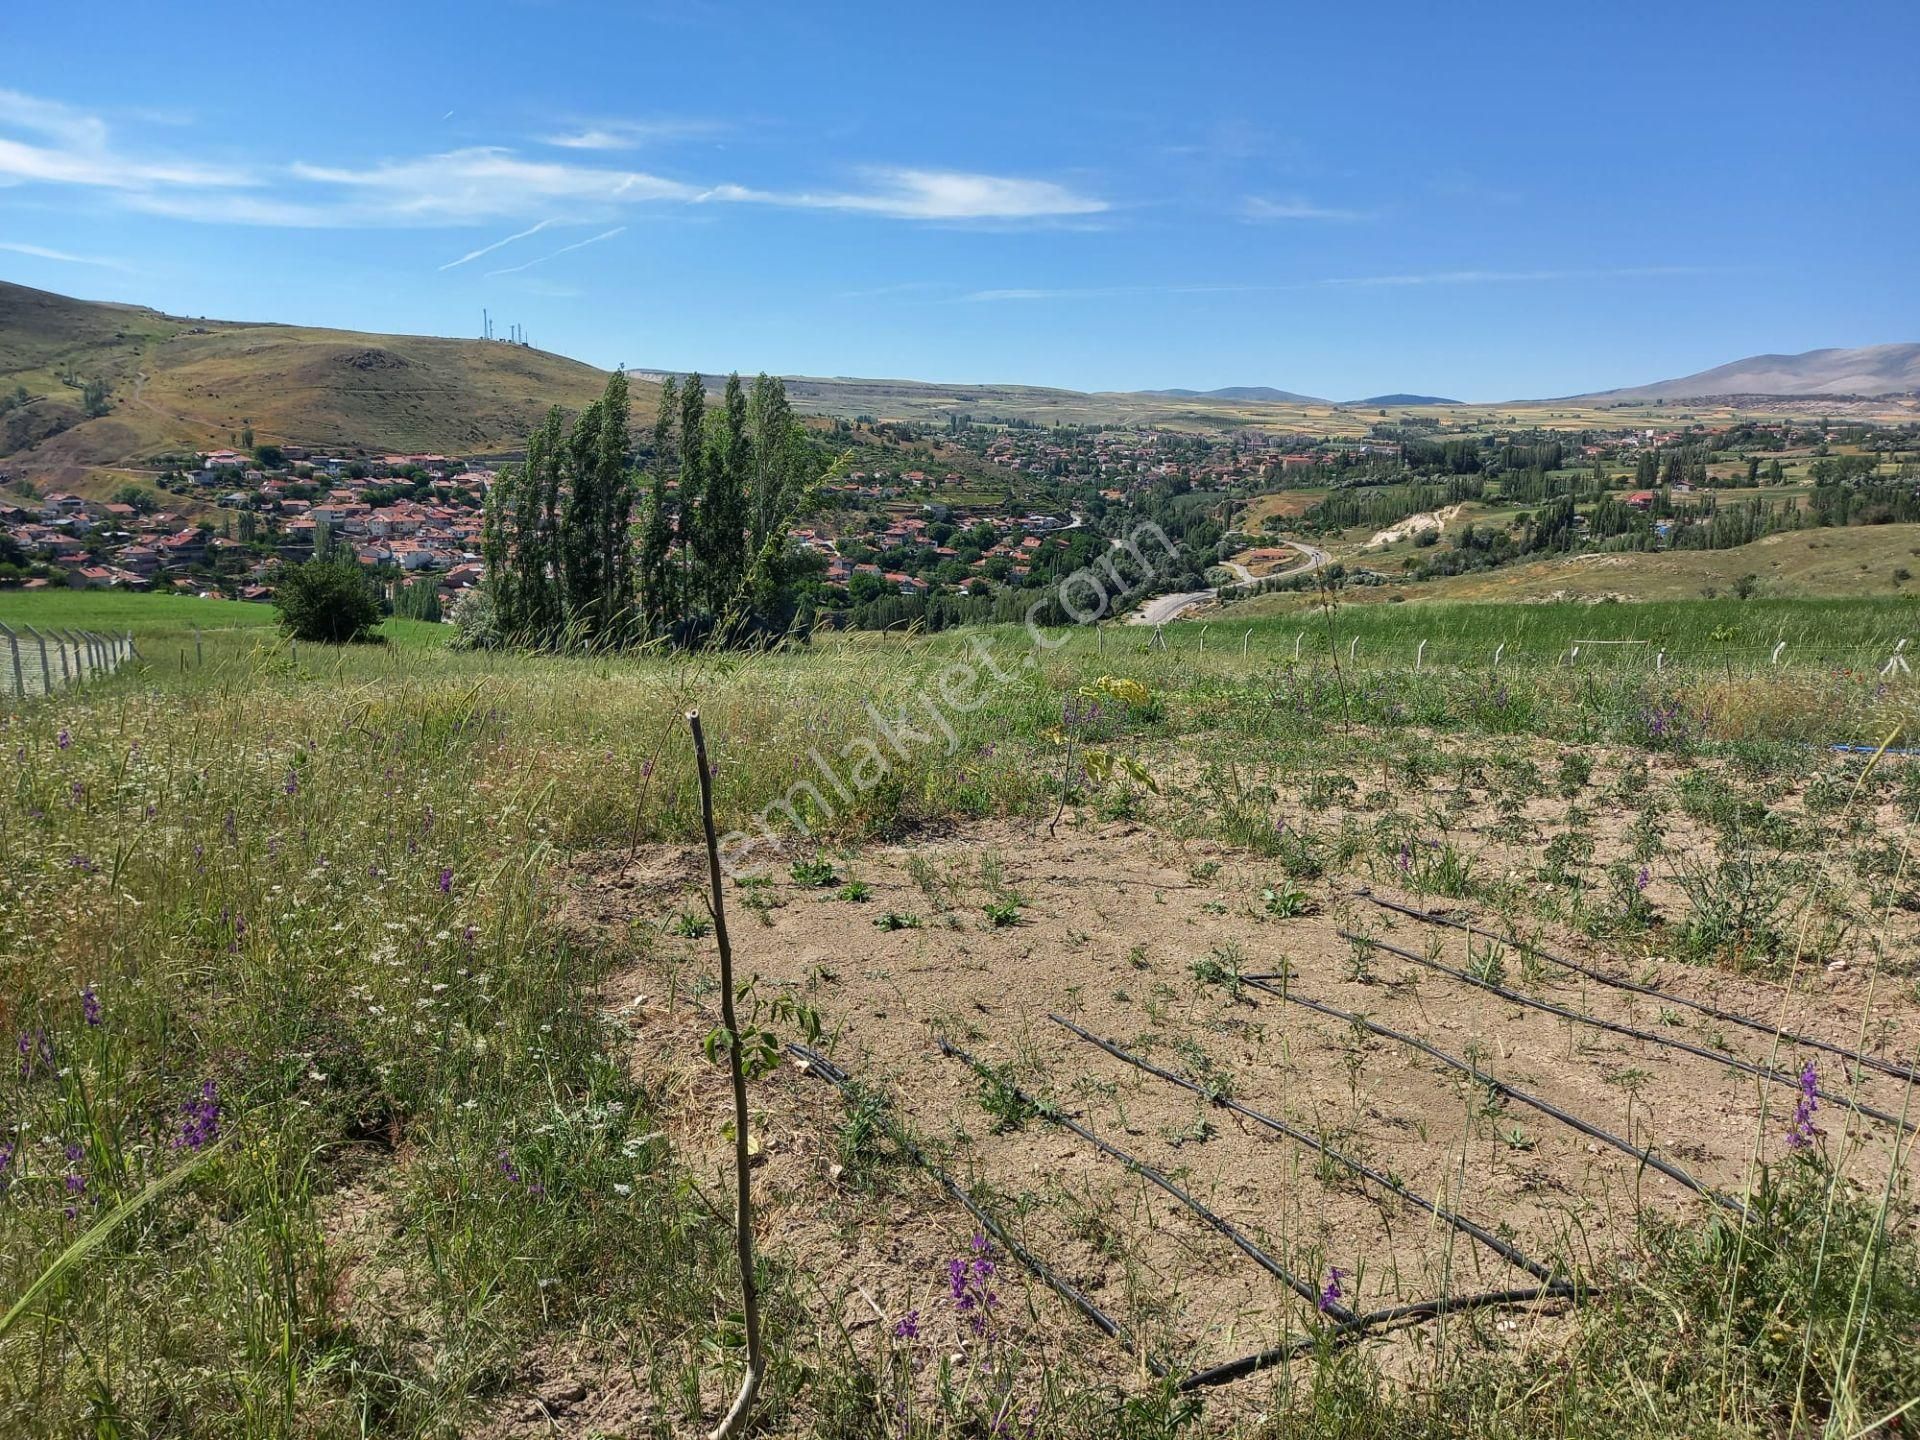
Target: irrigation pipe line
(1885, 1067)
(1305, 1289)
(1459, 1222)
(818, 1064)
(1363, 1326)
(1620, 1028)
(1645, 1155)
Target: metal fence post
(13, 649)
(46, 670)
(197, 658)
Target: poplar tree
(693, 456)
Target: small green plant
(689, 925)
(1285, 900)
(896, 920)
(815, 873)
(1002, 913)
(855, 890)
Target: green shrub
(330, 602)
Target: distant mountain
(1398, 399)
(1867, 370)
(1265, 393)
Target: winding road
(1162, 608)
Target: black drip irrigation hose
(1617, 1027)
(1305, 1289)
(1545, 1107)
(818, 1064)
(1361, 1327)
(1885, 1067)
(1459, 1222)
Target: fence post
(133, 650)
(46, 669)
(66, 673)
(1100, 640)
(1245, 640)
(1203, 639)
(13, 648)
(197, 659)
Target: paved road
(1162, 608)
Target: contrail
(489, 249)
(577, 245)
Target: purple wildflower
(89, 1005)
(64, 739)
(36, 1050)
(646, 769)
(508, 1168)
(968, 1286)
(907, 1327)
(1331, 1292)
(200, 1126)
(1641, 880)
(1801, 1132)
(446, 880)
(6, 1164)
(292, 785)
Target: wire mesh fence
(36, 662)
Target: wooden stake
(736, 1418)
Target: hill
(1400, 399)
(179, 384)
(1866, 371)
(1243, 392)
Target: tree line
(585, 551)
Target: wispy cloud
(43, 142)
(1108, 292)
(41, 252)
(630, 134)
(534, 229)
(1262, 207)
(564, 249)
(71, 147)
(909, 194)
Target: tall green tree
(693, 470)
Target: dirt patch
(980, 935)
(1434, 520)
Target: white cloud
(74, 148)
(1260, 207)
(41, 252)
(630, 134)
(908, 194)
(470, 186)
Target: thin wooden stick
(736, 1418)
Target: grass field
(358, 999)
(170, 620)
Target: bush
(476, 622)
(328, 601)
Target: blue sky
(1484, 201)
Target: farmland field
(360, 997)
